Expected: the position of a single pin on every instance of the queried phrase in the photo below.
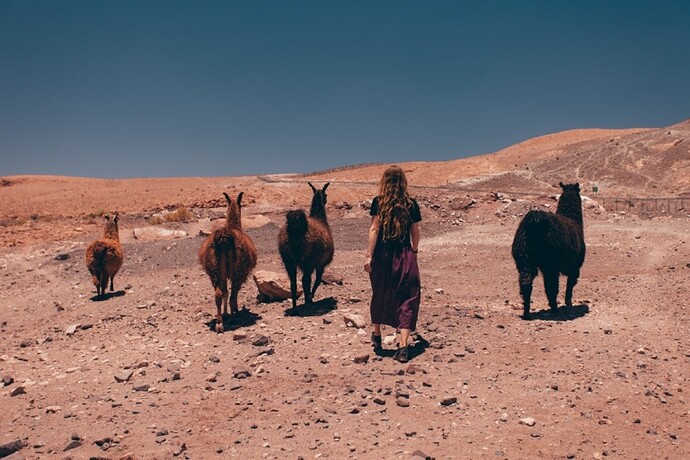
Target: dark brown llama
(228, 254)
(307, 243)
(553, 244)
(104, 256)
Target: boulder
(157, 233)
(273, 286)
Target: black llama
(307, 243)
(553, 244)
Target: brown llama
(307, 243)
(552, 243)
(228, 254)
(104, 256)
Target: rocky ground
(142, 374)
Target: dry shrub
(181, 214)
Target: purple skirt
(395, 286)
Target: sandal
(376, 340)
(402, 355)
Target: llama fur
(228, 254)
(552, 243)
(307, 243)
(104, 256)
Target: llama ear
(227, 198)
(312, 187)
(326, 186)
(239, 199)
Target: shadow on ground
(242, 318)
(107, 295)
(319, 308)
(564, 313)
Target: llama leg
(551, 288)
(111, 283)
(317, 280)
(525, 280)
(292, 274)
(234, 291)
(572, 281)
(306, 286)
(104, 284)
(221, 292)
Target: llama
(228, 254)
(553, 244)
(104, 256)
(307, 243)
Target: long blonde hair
(394, 204)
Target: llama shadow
(564, 313)
(319, 308)
(107, 295)
(416, 347)
(243, 318)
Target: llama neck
(233, 219)
(111, 233)
(318, 210)
(570, 207)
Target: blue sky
(184, 88)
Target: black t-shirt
(415, 216)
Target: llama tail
(529, 236)
(296, 227)
(99, 254)
(223, 242)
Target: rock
(379, 401)
(355, 299)
(402, 402)
(273, 286)
(155, 233)
(419, 455)
(142, 387)
(332, 278)
(241, 372)
(72, 329)
(11, 447)
(62, 256)
(449, 401)
(26, 343)
(18, 391)
(124, 377)
(53, 409)
(73, 444)
(529, 421)
(354, 320)
(260, 351)
(361, 359)
(214, 359)
(260, 341)
(7, 380)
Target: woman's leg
(404, 337)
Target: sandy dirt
(142, 375)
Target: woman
(392, 260)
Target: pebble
(529, 421)
(449, 401)
(53, 409)
(72, 329)
(402, 402)
(361, 359)
(18, 391)
(241, 373)
(123, 377)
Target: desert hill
(651, 162)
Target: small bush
(181, 214)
